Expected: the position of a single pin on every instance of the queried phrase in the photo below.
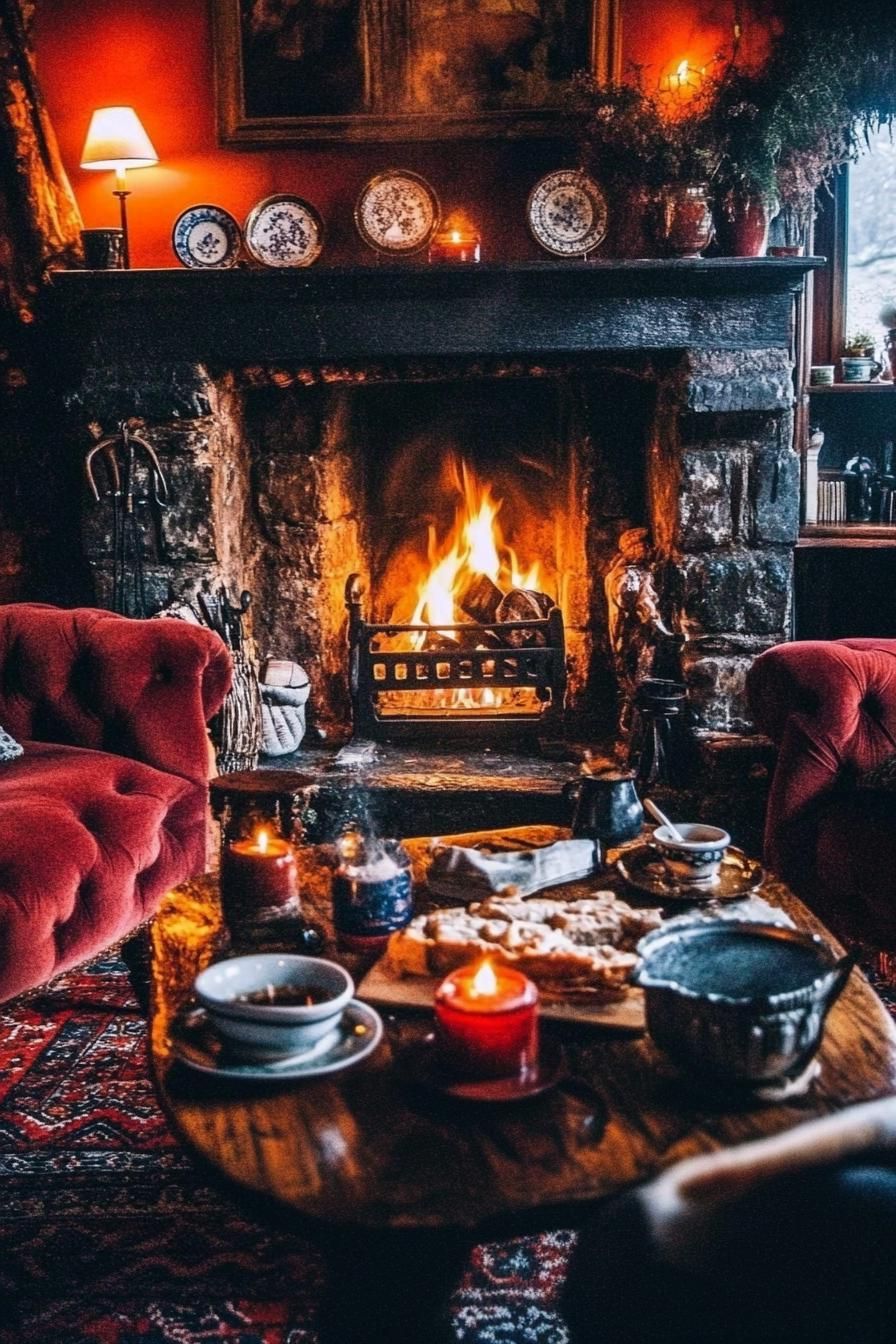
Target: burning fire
(474, 546)
(467, 574)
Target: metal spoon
(663, 819)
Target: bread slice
(582, 947)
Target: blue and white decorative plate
(284, 231)
(206, 237)
(567, 213)
(397, 211)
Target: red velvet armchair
(106, 809)
(830, 831)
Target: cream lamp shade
(116, 140)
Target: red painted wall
(156, 55)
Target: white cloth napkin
(471, 874)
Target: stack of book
(831, 499)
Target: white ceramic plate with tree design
(567, 213)
(205, 237)
(284, 231)
(397, 211)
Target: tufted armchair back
(87, 678)
(830, 706)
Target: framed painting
(289, 71)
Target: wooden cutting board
(383, 988)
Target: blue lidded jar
(372, 893)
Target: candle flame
(484, 982)
(455, 236)
(683, 70)
(261, 840)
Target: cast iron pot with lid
(739, 1001)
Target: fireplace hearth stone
(439, 791)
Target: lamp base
(126, 249)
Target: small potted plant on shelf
(858, 362)
(860, 345)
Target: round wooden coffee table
(397, 1183)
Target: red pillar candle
(259, 872)
(487, 1022)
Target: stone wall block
(710, 483)
(728, 381)
(734, 432)
(714, 671)
(775, 497)
(740, 591)
(285, 494)
(113, 392)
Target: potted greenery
(765, 138)
(861, 344)
(655, 165)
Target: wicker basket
(236, 728)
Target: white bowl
(696, 857)
(272, 1030)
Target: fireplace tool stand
(453, 660)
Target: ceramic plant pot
(742, 226)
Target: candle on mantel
(487, 1022)
(259, 872)
(457, 241)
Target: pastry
(581, 946)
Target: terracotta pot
(743, 226)
(683, 221)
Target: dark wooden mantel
(393, 312)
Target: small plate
(195, 1042)
(738, 876)
(284, 231)
(397, 211)
(205, 237)
(567, 213)
(422, 1063)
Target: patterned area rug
(108, 1235)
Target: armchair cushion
(89, 842)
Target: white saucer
(194, 1042)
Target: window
(871, 236)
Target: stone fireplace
(321, 425)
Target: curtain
(39, 219)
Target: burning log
(524, 604)
(434, 641)
(480, 599)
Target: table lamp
(116, 140)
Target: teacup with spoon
(691, 851)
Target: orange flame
(484, 983)
(261, 841)
(474, 545)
